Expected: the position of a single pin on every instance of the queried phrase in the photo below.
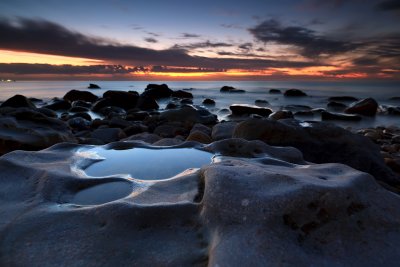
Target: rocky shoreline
(279, 184)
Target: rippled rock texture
(256, 205)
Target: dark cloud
(24, 68)
(310, 44)
(246, 46)
(389, 5)
(45, 37)
(190, 35)
(365, 61)
(187, 70)
(205, 44)
(150, 40)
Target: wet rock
(230, 89)
(297, 107)
(325, 115)
(78, 109)
(79, 103)
(47, 112)
(343, 98)
(190, 115)
(186, 101)
(75, 95)
(137, 115)
(118, 123)
(108, 135)
(320, 143)
(172, 105)
(223, 130)
(149, 138)
(102, 103)
(304, 113)
(275, 91)
(147, 103)
(79, 123)
(135, 129)
(199, 136)
(170, 129)
(157, 91)
(336, 105)
(125, 100)
(84, 115)
(168, 142)
(240, 110)
(181, 94)
(208, 102)
(393, 110)
(281, 114)
(27, 129)
(261, 102)
(366, 107)
(294, 92)
(393, 164)
(59, 104)
(18, 101)
(112, 111)
(202, 128)
(93, 86)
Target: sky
(200, 40)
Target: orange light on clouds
(7, 56)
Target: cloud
(389, 5)
(246, 46)
(25, 68)
(40, 36)
(190, 35)
(187, 70)
(150, 40)
(310, 44)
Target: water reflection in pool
(147, 164)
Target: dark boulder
(240, 110)
(181, 94)
(157, 91)
(146, 103)
(339, 117)
(294, 92)
(102, 103)
(78, 109)
(208, 102)
(86, 96)
(125, 100)
(93, 86)
(336, 105)
(393, 110)
(230, 89)
(275, 91)
(18, 101)
(59, 105)
(366, 107)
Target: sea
(318, 94)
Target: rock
(320, 143)
(125, 100)
(157, 91)
(27, 129)
(294, 92)
(393, 164)
(223, 130)
(325, 115)
(79, 103)
(118, 123)
(202, 128)
(84, 115)
(145, 137)
(59, 105)
(79, 123)
(18, 101)
(297, 108)
(304, 113)
(108, 135)
(366, 107)
(168, 142)
(281, 114)
(171, 105)
(147, 103)
(275, 91)
(261, 102)
(170, 129)
(343, 98)
(240, 110)
(75, 95)
(393, 110)
(255, 207)
(230, 89)
(102, 103)
(186, 101)
(47, 112)
(336, 105)
(112, 111)
(208, 102)
(135, 129)
(93, 86)
(181, 94)
(396, 139)
(137, 115)
(78, 109)
(199, 136)
(190, 115)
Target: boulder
(320, 142)
(75, 95)
(230, 89)
(58, 105)
(181, 94)
(325, 115)
(223, 130)
(275, 91)
(79, 123)
(261, 102)
(108, 135)
(125, 100)
(147, 103)
(93, 86)
(157, 91)
(336, 105)
(198, 136)
(170, 130)
(18, 101)
(281, 114)
(208, 102)
(366, 107)
(294, 92)
(190, 115)
(27, 129)
(241, 109)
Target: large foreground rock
(24, 128)
(268, 209)
(320, 143)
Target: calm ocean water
(318, 93)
